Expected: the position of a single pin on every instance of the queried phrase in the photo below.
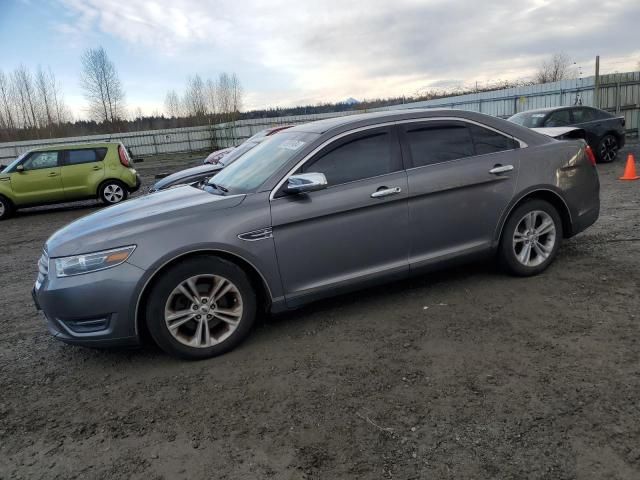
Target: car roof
(350, 122)
(553, 109)
(72, 146)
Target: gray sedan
(317, 210)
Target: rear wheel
(201, 308)
(6, 208)
(530, 238)
(112, 192)
(607, 149)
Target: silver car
(314, 211)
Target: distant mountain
(351, 101)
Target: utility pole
(596, 91)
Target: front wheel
(112, 192)
(200, 308)
(6, 209)
(530, 238)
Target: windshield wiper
(219, 187)
(211, 185)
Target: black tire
(508, 251)
(112, 192)
(607, 149)
(6, 208)
(175, 276)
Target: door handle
(97, 168)
(53, 174)
(385, 192)
(498, 169)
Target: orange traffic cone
(630, 169)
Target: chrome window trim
(466, 120)
(384, 124)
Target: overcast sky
(306, 51)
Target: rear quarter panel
(114, 169)
(563, 168)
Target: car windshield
(14, 163)
(529, 119)
(237, 152)
(253, 168)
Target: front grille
(43, 267)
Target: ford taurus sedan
(317, 210)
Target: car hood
(121, 224)
(185, 174)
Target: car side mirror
(306, 182)
(19, 168)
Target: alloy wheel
(608, 149)
(203, 310)
(113, 193)
(2, 209)
(534, 238)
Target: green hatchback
(66, 173)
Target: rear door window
(583, 115)
(489, 141)
(359, 156)
(437, 142)
(85, 155)
(559, 118)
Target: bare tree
(236, 95)
(102, 87)
(6, 103)
(212, 103)
(23, 87)
(61, 111)
(45, 100)
(224, 96)
(195, 102)
(558, 67)
(172, 104)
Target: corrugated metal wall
(174, 140)
(619, 94)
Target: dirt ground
(467, 373)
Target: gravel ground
(466, 373)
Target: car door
(587, 119)
(558, 118)
(39, 181)
(462, 178)
(355, 230)
(82, 171)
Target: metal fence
(172, 140)
(618, 93)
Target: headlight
(92, 262)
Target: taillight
(124, 158)
(590, 155)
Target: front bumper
(93, 309)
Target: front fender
(268, 273)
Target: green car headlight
(92, 262)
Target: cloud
(290, 52)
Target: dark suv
(604, 132)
